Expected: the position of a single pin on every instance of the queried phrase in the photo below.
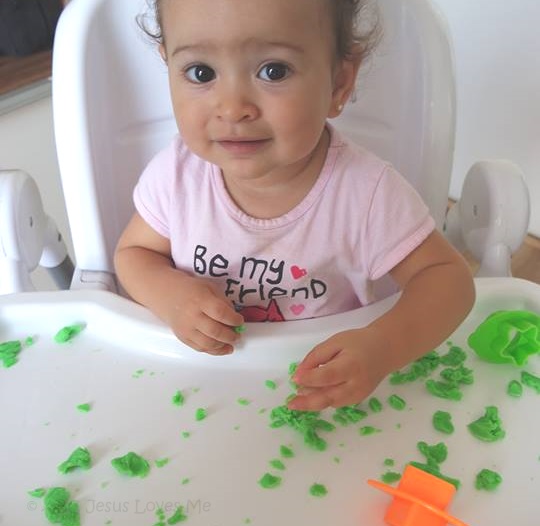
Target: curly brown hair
(356, 35)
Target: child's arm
(195, 311)
(437, 294)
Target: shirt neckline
(295, 213)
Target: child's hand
(201, 317)
(343, 370)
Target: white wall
(27, 143)
(497, 49)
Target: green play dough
(178, 516)
(375, 404)
(420, 368)
(397, 403)
(318, 490)
(514, 389)
(454, 357)
(200, 414)
(390, 477)
(507, 336)
(59, 509)
(9, 352)
(277, 464)
(307, 423)
(442, 421)
(286, 452)
(488, 428)
(487, 480)
(67, 333)
(530, 380)
(368, 430)
(349, 414)
(178, 399)
(80, 458)
(269, 481)
(132, 465)
(444, 390)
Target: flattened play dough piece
(318, 490)
(132, 465)
(59, 509)
(9, 352)
(487, 480)
(269, 481)
(80, 458)
(514, 389)
(488, 428)
(396, 402)
(530, 380)
(507, 336)
(444, 390)
(67, 333)
(442, 421)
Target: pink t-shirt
(359, 220)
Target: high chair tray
(128, 367)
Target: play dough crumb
(368, 430)
(514, 389)
(444, 390)
(269, 481)
(318, 490)
(68, 332)
(375, 405)
(442, 421)
(178, 399)
(243, 401)
(530, 380)
(9, 352)
(487, 480)
(84, 408)
(390, 477)
(59, 509)
(37, 493)
(420, 368)
(161, 462)
(488, 428)
(277, 464)
(200, 414)
(240, 329)
(178, 516)
(132, 465)
(389, 462)
(397, 403)
(454, 357)
(271, 384)
(80, 458)
(186, 434)
(348, 414)
(286, 452)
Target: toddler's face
(252, 81)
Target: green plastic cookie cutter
(507, 336)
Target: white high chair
(112, 114)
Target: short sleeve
(398, 222)
(153, 193)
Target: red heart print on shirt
(297, 309)
(298, 272)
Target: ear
(163, 52)
(345, 75)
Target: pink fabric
(359, 220)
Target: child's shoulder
(356, 161)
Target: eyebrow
(205, 46)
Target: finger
(328, 374)
(216, 330)
(202, 343)
(319, 355)
(318, 399)
(221, 311)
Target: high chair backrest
(112, 111)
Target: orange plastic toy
(419, 500)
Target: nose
(235, 103)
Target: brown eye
(274, 71)
(200, 74)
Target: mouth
(241, 145)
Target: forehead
(231, 22)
